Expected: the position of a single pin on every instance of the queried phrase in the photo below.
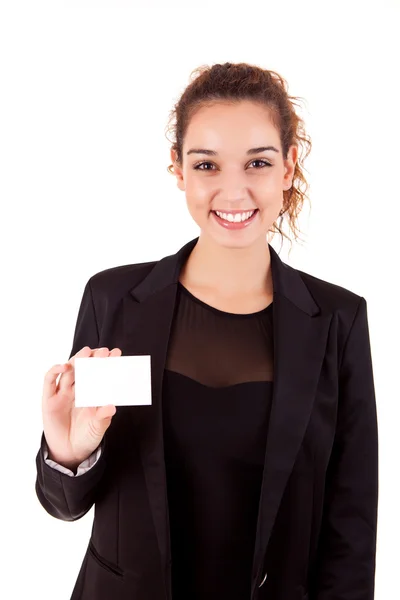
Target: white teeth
(235, 218)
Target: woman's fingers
(68, 378)
(66, 371)
(116, 352)
(50, 381)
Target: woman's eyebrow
(213, 153)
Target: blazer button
(265, 577)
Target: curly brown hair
(233, 83)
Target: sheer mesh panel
(217, 348)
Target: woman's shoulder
(328, 294)
(119, 279)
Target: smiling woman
(253, 474)
(241, 117)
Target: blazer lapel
(300, 336)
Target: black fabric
(316, 537)
(217, 392)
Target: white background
(86, 89)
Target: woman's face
(228, 177)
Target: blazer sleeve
(347, 543)
(64, 497)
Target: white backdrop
(86, 88)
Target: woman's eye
(264, 162)
(197, 167)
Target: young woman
(254, 473)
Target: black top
(217, 391)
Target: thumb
(103, 417)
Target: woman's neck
(229, 271)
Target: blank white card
(118, 380)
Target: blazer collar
(286, 280)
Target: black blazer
(316, 533)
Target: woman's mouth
(232, 224)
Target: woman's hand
(71, 433)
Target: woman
(254, 473)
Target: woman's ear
(290, 164)
(178, 171)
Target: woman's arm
(62, 496)
(346, 554)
